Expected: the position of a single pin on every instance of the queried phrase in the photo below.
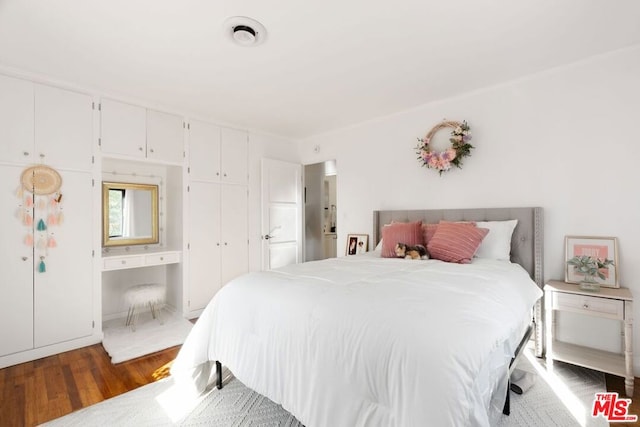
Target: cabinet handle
(218, 244)
(24, 258)
(586, 306)
(217, 173)
(151, 150)
(225, 243)
(140, 149)
(123, 262)
(41, 156)
(161, 258)
(225, 174)
(26, 153)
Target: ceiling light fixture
(244, 31)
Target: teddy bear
(411, 252)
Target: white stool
(138, 296)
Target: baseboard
(38, 353)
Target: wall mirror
(129, 214)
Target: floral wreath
(442, 160)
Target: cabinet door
(16, 265)
(204, 243)
(204, 151)
(123, 129)
(63, 294)
(234, 225)
(16, 120)
(165, 137)
(234, 153)
(63, 128)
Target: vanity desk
(139, 259)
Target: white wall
(563, 139)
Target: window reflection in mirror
(130, 214)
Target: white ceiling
(325, 64)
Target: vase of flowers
(589, 268)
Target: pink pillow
(428, 230)
(400, 232)
(456, 241)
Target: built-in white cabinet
(218, 240)
(45, 312)
(63, 128)
(217, 224)
(136, 132)
(165, 137)
(63, 300)
(39, 309)
(16, 264)
(45, 124)
(217, 154)
(16, 120)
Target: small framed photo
(600, 249)
(357, 244)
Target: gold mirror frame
(108, 241)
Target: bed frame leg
(507, 403)
(218, 375)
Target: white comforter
(365, 341)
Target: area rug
(122, 343)
(562, 398)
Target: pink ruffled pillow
(456, 241)
(400, 232)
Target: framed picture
(357, 244)
(598, 248)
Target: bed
(364, 340)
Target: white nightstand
(608, 303)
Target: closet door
(165, 137)
(16, 265)
(123, 129)
(204, 243)
(234, 153)
(63, 294)
(204, 151)
(16, 120)
(63, 128)
(235, 244)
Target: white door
(63, 119)
(165, 137)
(281, 213)
(204, 244)
(16, 120)
(204, 151)
(16, 265)
(123, 128)
(63, 294)
(234, 224)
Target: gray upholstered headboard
(526, 242)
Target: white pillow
(497, 243)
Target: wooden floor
(35, 392)
(38, 391)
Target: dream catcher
(40, 210)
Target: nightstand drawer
(590, 305)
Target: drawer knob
(123, 261)
(586, 306)
(161, 258)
